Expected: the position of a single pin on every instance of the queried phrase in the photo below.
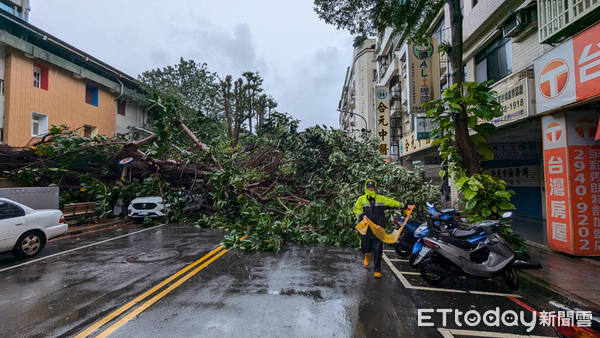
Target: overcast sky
(302, 59)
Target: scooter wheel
(430, 277)
(511, 278)
(401, 252)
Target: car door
(12, 224)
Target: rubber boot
(377, 275)
(367, 258)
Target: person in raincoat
(373, 207)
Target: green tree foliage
(485, 197)
(279, 185)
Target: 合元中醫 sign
(382, 126)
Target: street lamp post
(362, 117)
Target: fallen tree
(278, 185)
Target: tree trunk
(468, 156)
(226, 85)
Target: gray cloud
(302, 60)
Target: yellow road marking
(141, 297)
(156, 298)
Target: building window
(495, 61)
(40, 76)
(474, 3)
(465, 72)
(37, 77)
(440, 31)
(39, 124)
(91, 95)
(1, 86)
(121, 106)
(89, 131)
(7, 8)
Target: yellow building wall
(63, 102)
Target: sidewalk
(575, 278)
(103, 223)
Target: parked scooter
(446, 221)
(454, 257)
(574, 331)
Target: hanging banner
(382, 111)
(424, 75)
(557, 182)
(584, 178)
(572, 168)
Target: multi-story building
(356, 105)
(567, 92)
(513, 44)
(45, 81)
(18, 8)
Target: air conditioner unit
(517, 22)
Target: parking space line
(79, 248)
(428, 288)
(408, 285)
(411, 273)
(495, 294)
(399, 260)
(403, 280)
(449, 333)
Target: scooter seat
(450, 211)
(461, 243)
(458, 233)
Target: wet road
(175, 281)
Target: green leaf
(506, 205)
(442, 173)
(486, 212)
(486, 152)
(503, 194)
(459, 183)
(471, 204)
(477, 139)
(470, 194)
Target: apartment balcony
(560, 19)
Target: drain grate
(152, 256)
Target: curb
(545, 248)
(529, 282)
(80, 230)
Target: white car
(25, 231)
(146, 207)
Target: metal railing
(556, 18)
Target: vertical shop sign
(584, 175)
(424, 78)
(382, 110)
(557, 182)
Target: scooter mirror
(429, 204)
(507, 214)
